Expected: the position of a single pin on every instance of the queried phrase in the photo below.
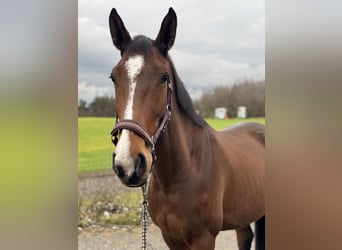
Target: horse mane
(184, 100)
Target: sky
(217, 42)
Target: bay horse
(202, 181)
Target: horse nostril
(118, 168)
(140, 165)
(119, 171)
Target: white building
(220, 113)
(242, 112)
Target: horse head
(143, 83)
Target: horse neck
(178, 149)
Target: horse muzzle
(132, 173)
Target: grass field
(95, 146)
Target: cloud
(87, 91)
(213, 69)
(217, 41)
(96, 52)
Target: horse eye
(164, 78)
(112, 77)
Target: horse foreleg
(205, 241)
(174, 244)
(244, 237)
(202, 242)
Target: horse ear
(167, 33)
(120, 35)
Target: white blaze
(133, 65)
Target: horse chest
(168, 217)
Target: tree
(83, 110)
(101, 106)
(244, 93)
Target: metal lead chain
(144, 217)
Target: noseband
(140, 131)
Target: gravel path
(129, 237)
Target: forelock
(140, 44)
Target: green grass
(95, 147)
(221, 124)
(94, 144)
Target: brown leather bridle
(139, 129)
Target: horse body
(204, 184)
(244, 200)
(202, 181)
